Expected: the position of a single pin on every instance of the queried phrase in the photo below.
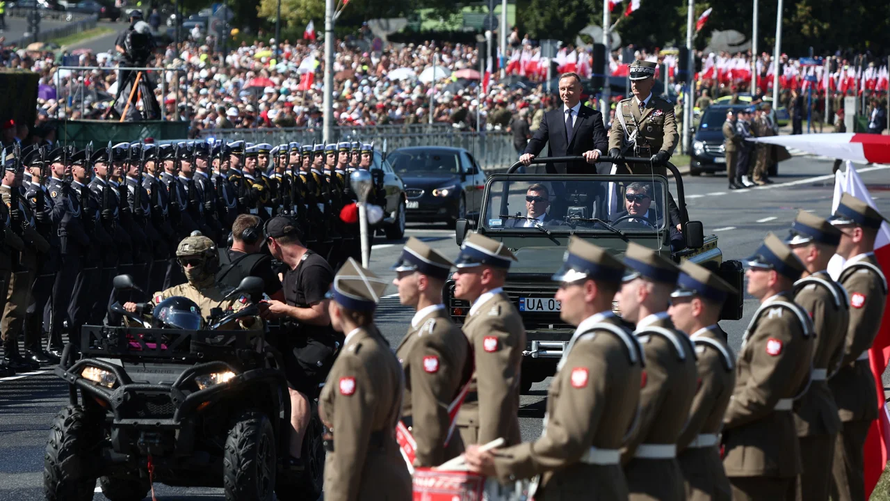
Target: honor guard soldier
(361, 400)
(644, 124)
(34, 249)
(159, 198)
(854, 385)
(256, 193)
(234, 155)
(193, 200)
(226, 191)
(139, 203)
(294, 156)
(183, 224)
(138, 257)
(119, 243)
(695, 308)
(494, 329)
(320, 231)
(263, 157)
(669, 378)
(435, 355)
(761, 449)
(592, 400)
(814, 240)
(355, 156)
(276, 179)
(206, 192)
(731, 145)
(10, 250)
(306, 157)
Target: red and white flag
(873, 148)
(613, 3)
(702, 19)
(307, 72)
(309, 32)
(486, 79)
(632, 6)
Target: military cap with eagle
(343, 146)
(420, 257)
(293, 146)
(357, 288)
(586, 261)
(852, 211)
(251, 151)
(808, 228)
(263, 148)
(479, 250)
(643, 262)
(773, 254)
(695, 280)
(234, 148)
(641, 70)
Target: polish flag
(632, 6)
(872, 148)
(309, 32)
(613, 3)
(883, 80)
(571, 63)
(307, 72)
(702, 19)
(534, 64)
(486, 79)
(514, 67)
(524, 60)
(877, 445)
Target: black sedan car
(442, 184)
(104, 10)
(708, 154)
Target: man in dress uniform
(206, 193)
(138, 204)
(644, 124)
(497, 335)
(435, 355)
(731, 145)
(761, 449)
(814, 240)
(159, 198)
(668, 387)
(853, 385)
(180, 219)
(355, 156)
(276, 179)
(746, 148)
(592, 400)
(695, 308)
(104, 198)
(263, 157)
(256, 193)
(226, 192)
(762, 128)
(194, 198)
(10, 252)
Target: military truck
(593, 207)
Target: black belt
(472, 396)
(376, 441)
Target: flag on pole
(702, 19)
(632, 6)
(877, 444)
(613, 3)
(309, 32)
(486, 79)
(873, 148)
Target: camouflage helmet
(196, 245)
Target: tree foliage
(298, 13)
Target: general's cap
(808, 228)
(646, 263)
(853, 211)
(695, 280)
(478, 250)
(586, 261)
(357, 288)
(418, 256)
(641, 70)
(773, 254)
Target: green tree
(560, 20)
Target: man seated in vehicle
(640, 213)
(199, 258)
(537, 200)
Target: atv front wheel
(124, 489)
(71, 455)
(250, 464)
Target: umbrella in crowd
(402, 74)
(434, 73)
(468, 74)
(46, 92)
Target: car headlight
(99, 376)
(205, 381)
(444, 191)
(699, 147)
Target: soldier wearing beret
(668, 385)
(592, 400)
(762, 451)
(435, 355)
(494, 329)
(361, 401)
(695, 309)
(854, 385)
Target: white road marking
(24, 375)
(690, 197)
(767, 219)
(725, 228)
(716, 194)
(381, 246)
(793, 183)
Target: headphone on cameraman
(252, 234)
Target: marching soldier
(234, 153)
(435, 356)
(263, 158)
(321, 188)
(9, 249)
(138, 257)
(139, 205)
(309, 196)
(294, 156)
(762, 452)
(334, 198)
(592, 399)
(105, 201)
(180, 219)
(853, 385)
(495, 331)
(159, 199)
(355, 156)
(668, 384)
(362, 399)
(814, 240)
(277, 181)
(256, 193)
(226, 191)
(206, 191)
(193, 198)
(695, 308)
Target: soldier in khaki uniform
(592, 400)
(435, 355)
(761, 449)
(764, 152)
(644, 125)
(815, 241)
(695, 308)
(853, 385)
(495, 331)
(731, 144)
(362, 398)
(668, 384)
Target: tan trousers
(17, 299)
(732, 161)
(763, 156)
(848, 481)
(816, 453)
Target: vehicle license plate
(413, 205)
(538, 304)
(719, 160)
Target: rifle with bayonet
(138, 210)
(44, 223)
(107, 213)
(16, 216)
(172, 192)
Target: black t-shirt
(306, 285)
(263, 269)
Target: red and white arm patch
(857, 300)
(347, 386)
(431, 364)
(490, 344)
(774, 346)
(580, 376)
(643, 379)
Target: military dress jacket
(438, 364)
(772, 369)
(497, 335)
(731, 137)
(360, 405)
(35, 246)
(653, 126)
(591, 404)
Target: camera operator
(311, 345)
(135, 44)
(246, 259)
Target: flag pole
(607, 39)
(690, 69)
(328, 128)
(754, 89)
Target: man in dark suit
(571, 130)
(537, 199)
(637, 205)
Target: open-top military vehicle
(592, 207)
(176, 400)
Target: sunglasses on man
(190, 262)
(534, 199)
(630, 197)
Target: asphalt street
(741, 219)
(17, 26)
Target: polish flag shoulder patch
(643, 378)
(774, 346)
(431, 364)
(857, 300)
(490, 344)
(347, 386)
(579, 377)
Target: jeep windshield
(574, 204)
